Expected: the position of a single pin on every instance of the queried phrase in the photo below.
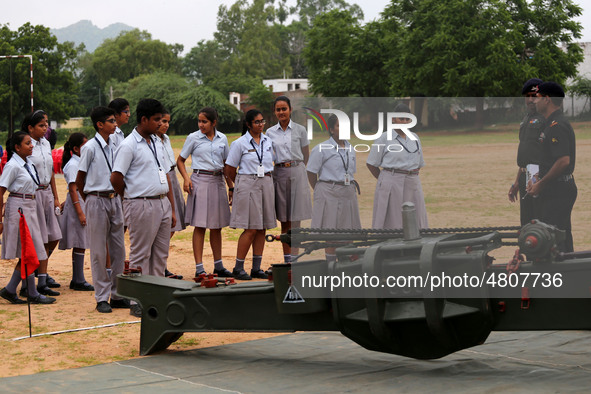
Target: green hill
(89, 34)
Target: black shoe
(121, 304)
(240, 275)
(11, 297)
(199, 273)
(52, 283)
(103, 307)
(47, 291)
(41, 300)
(223, 273)
(84, 286)
(135, 310)
(260, 274)
(170, 275)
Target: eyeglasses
(259, 122)
(111, 120)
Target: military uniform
(529, 152)
(558, 197)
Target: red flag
(29, 260)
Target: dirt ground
(465, 184)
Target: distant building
(286, 85)
(292, 88)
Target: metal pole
(410, 223)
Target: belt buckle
(111, 195)
(288, 164)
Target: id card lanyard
(346, 166)
(37, 182)
(161, 173)
(104, 154)
(261, 169)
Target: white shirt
(71, 169)
(42, 159)
(332, 162)
(117, 138)
(96, 165)
(288, 143)
(399, 153)
(247, 155)
(205, 154)
(140, 163)
(168, 153)
(15, 177)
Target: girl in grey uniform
(330, 173)
(46, 195)
(177, 193)
(250, 165)
(400, 160)
(20, 178)
(73, 218)
(207, 202)
(291, 150)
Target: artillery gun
(451, 298)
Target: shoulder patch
(554, 123)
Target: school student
(104, 214)
(177, 193)
(73, 218)
(291, 150)
(121, 108)
(331, 168)
(20, 178)
(46, 200)
(396, 163)
(249, 165)
(207, 201)
(139, 174)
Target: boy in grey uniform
(139, 175)
(104, 214)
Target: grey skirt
(292, 193)
(48, 223)
(73, 233)
(179, 201)
(335, 206)
(11, 240)
(253, 206)
(392, 190)
(207, 205)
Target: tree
(346, 59)
(203, 61)
(250, 40)
(131, 54)
(581, 87)
(262, 98)
(55, 87)
(181, 97)
(308, 10)
(481, 48)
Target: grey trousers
(104, 226)
(149, 223)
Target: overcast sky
(172, 21)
